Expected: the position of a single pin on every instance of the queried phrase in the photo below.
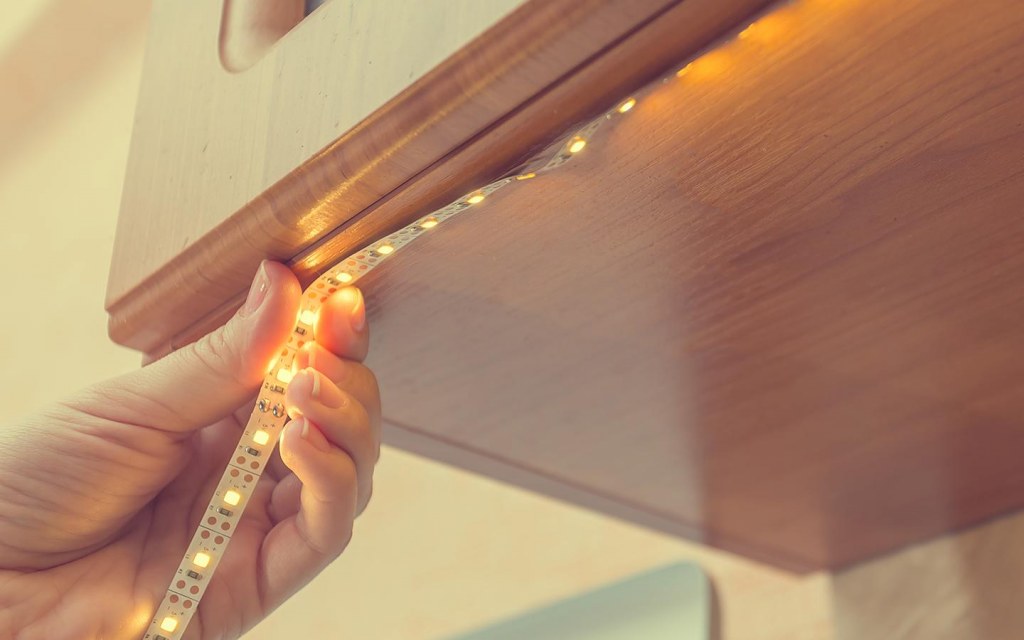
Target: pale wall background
(439, 551)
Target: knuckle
(368, 390)
(360, 424)
(348, 474)
(215, 352)
(344, 537)
(355, 374)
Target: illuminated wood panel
(776, 310)
(773, 309)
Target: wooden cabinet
(775, 307)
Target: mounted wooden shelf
(774, 308)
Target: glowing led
(627, 105)
(385, 249)
(710, 65)
(343, 277)
(261, 437)
(169, 624)
(429, 223)
(285, 375)
(476, 198)
(307, 317)
(576, 145)
(526, 176)
(232, 497)
(201, 560)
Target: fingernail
(314, 436)
(357, 313)
(316, 383)
(329, 395)
(257, 292)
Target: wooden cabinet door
(774, 307)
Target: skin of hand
(100, 494)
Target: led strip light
(269, 416)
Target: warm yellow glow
(476, 198)
(261, 437)
(343, 277)
(576, 145)
(429, 223)
(201, 560)
(169, 624)
(307, 317)
(285, 375)
(385, 249)
(627, 105)
(710, 65)
(685, 70)
(526, 176)
(769, 28)
(232, 497)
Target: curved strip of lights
(269, 416)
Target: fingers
(205, 381)
(343, 422)
(284, 500)
(355, 378)
(300, 546)
(331, 445)
(341, 325)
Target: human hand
(100, 494)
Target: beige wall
(439, 550)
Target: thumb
(201, 383)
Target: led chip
(260, 437)
(307, 317)
(169, 624)
(201, 559)
(232, 497)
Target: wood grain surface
(775, 308)
(228, 169)
(779, 303)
